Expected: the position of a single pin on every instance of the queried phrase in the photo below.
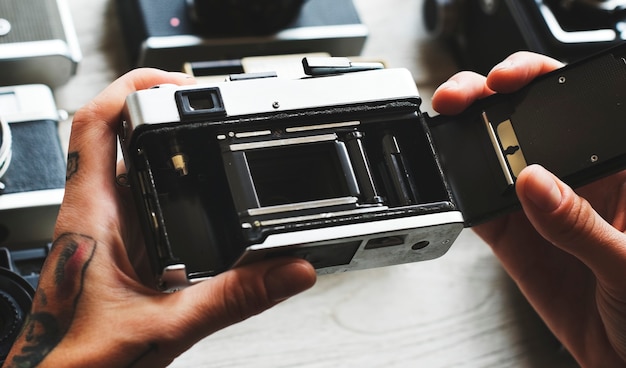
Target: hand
(565, 251)
(90, 309)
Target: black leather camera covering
(37, 161)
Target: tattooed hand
(90, 309)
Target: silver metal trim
(70, 32)
(44, 109)
(608, 5)
(498, 151)
(301, 33)
(18, 50)
(599, 35)
(301, 206)
(506, 135)
(158, 106)
(5, 27)
(322, 126)
(283, 142)
(6, 151)
(253, 134)
(360, 229)
(322, 216)
(36, 198)
(174, 278)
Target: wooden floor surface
(457, 311)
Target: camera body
(34, 161)
(38, 43)
(484, 32)
(254, 170)
(343, 169)
(166, 34)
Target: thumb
(570, 223)
(240, 293)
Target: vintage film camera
(38, 43)
(168, 33)
(32, 166)
(484, 32)
(343, 169)
(32, 178)
(19, 276)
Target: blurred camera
(166, 33)
(19, 276)
(38, 43)
(32, 166)
(484, 32)
(341, 167)
(32, 178)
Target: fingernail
(449, 84)
(288, 280)
(544, 191)
(181, 75)
(505, 64)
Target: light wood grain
(461, 310)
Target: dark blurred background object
(168, 33)
(242, 17)
(16, 296)
(38, 43)
(483, 32)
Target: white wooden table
(461, 310)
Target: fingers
(518, 70)
(458, 92)
(462, 89)
(570, 223)
(240, 293)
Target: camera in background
(32, 180)
(38, 43)
(483, 32)
(19, 276)
(167, 33)
(32, 165)
(242, 18)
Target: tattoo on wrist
(60, 289)
(72, 165)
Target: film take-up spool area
(460, 310)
